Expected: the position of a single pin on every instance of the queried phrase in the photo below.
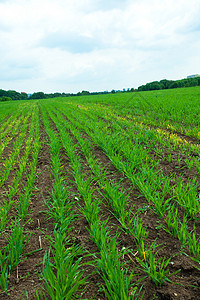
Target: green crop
(156, 269)
(62, 268)
(12, 254)
(115, 160)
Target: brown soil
(185, 285)
(181, 288)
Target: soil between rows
(28, 271)
(171, 246)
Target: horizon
(102, 91)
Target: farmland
(100, 196)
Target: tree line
(13, 95)
(155, 85)
(170, 84)
(41, 95)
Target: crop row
(149, 258)
(156, 139)
(132, 224)
(12, 225)
(154, 186)
(108, 262)
(174, 110)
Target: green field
(100, 196)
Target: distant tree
(83, 93)
(174, 85)
(38, 95)
(66, 94)
(165, 83)
(180, 83)
(155, 85)
(2, 93)
(24, 96)
(57, 95)
(5, 98)
(142, 88)
(13, 95)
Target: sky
(96, 45)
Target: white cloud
(71, 45)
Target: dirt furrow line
(171, 246)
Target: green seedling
(62, 268)
(157, 270)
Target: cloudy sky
(96, 45)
